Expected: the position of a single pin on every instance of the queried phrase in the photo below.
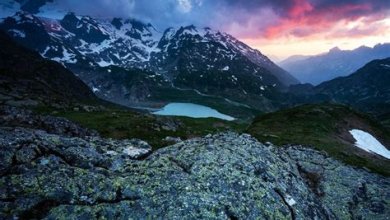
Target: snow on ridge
(140, 37)
(67, 57)
(104, 63)
(369, 143)
(119, 40)
(18, 33)
(95, 90)
(385, 65)
(43, 54)
(169, 33)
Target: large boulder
(222, 176)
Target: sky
(278, 28)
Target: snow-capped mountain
(209, 53)
(187, 57)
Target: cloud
(184, 6)
(243, 18)
(299, 18)
(305, 19)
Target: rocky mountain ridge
(203, 60)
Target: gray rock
(11, 117)
(221, 176)
(172, 139)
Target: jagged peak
(381, 45)
(334, 50)
(70, 15)
(24, 14)
(194, 30)
(24, 17)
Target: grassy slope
(121, 123)
(324, 127)
(385, 120)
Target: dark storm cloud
(245, 17)
(161, 13)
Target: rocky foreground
(64, 175)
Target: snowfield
(369, 143)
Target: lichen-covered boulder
(222, 176)
(12, 116)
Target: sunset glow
(306, 29)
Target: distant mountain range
(335, 63)
(187, 58)
(367, 89)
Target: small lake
(191, 110)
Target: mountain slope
(367, 89)
(189, 58)
(324, 127)
(27, 78)
(130, 43)
(335, 63)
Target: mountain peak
(184, 55)
(23, 15)
(117, 23)
(70, 17)
(334, 50)
(190, 27)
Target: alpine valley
(92, 123)
(131, 63)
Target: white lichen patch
(134, 152)
(290, 200)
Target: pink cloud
(304, 20)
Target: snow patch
(43, 54)
(17, 33)
(369, 143)
(226, 68)
(66, 57)
(104, 63)
(385, 65)
(94, 89)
